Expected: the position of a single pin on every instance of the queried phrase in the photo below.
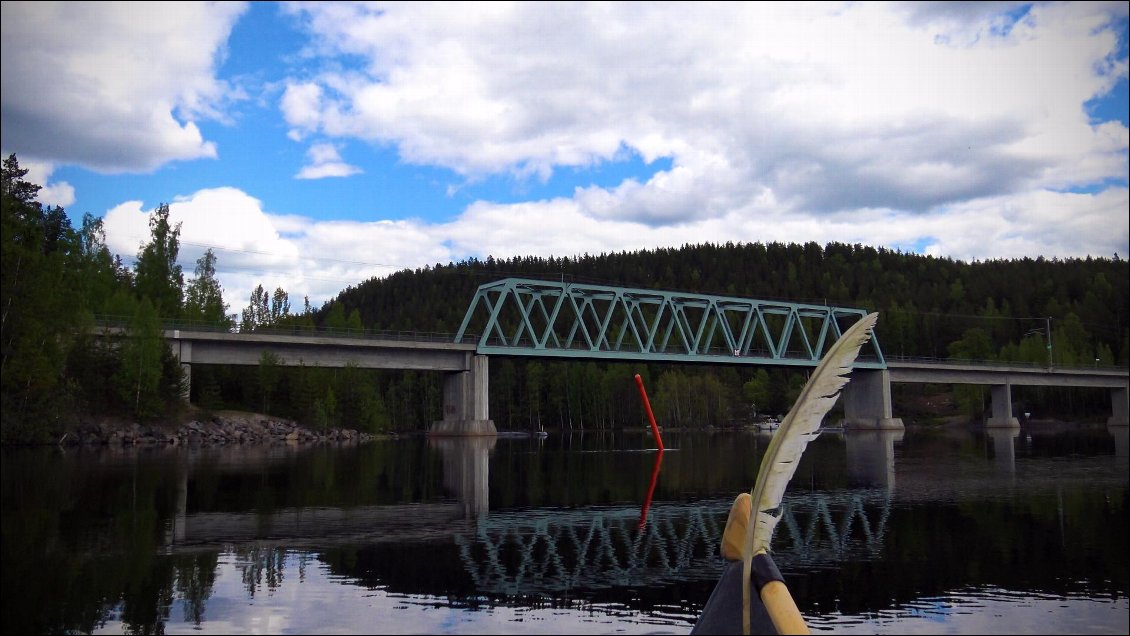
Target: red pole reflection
(651, 488)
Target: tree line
(57, 279)
(1062, 312)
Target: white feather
(799, 427)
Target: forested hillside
(927, 303)
(58, 280)
(930, 307)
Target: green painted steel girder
(525, 317)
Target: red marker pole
(650, 415)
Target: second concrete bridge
(466, 376)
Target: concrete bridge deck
(867, 398)
(466, 382)
(992, 373)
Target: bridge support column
(867, 401)
(466, 407)
(1120, 407)
(1002, 408)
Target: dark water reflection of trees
(91, 537)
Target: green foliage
(257, 313)
(325, 410)
(209, 397)
(149, 378)
(296, 323)
(269, 374)
(696, 401)
(56, 280)
(158, 277)
(336, 320)
(756, 391)
(1031, 350)
(280, 305)
(204, 296)
(1071, 343)
(15, 189)
(970, 400)
(265, 311)
(974, 345)
(42, 308)
(97, 275)
(361, 406)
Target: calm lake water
(925, 531)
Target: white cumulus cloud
(959, 128)
(115, 87)
(325, 161)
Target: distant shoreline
(196, 427)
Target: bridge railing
(117, 321)
(108, 321)
(1083, 366)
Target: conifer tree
(204, 296)
(158, 277)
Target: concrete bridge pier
(867, 401)
(1002, 408)
(1120, 407)
(466, 405)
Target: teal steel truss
(517, 316)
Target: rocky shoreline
(214, 429)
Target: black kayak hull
(722, 613)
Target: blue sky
(316, 145)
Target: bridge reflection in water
(588, 549)
(1003, 443)
(466, 470)
(554, 550)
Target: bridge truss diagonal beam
(525, 317)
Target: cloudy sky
(316, 145)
